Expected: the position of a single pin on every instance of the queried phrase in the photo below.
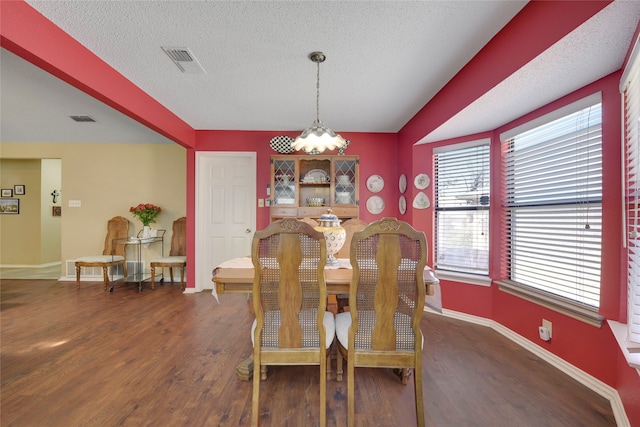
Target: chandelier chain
(318, 92)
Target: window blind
(462, 209)
(631, 118)
(553, 206)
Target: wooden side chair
(292, 326)
(386, 302)
(177, 255)
(112, 255)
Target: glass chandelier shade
(318, 138)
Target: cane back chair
(177, 255)
(386, 302)
(112, 255)
(292, 326)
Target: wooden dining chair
(386, 302)
(177, 254)
(292, 326)
(112, 255)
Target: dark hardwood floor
(92, 358)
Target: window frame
(467, 275)
(566, 306)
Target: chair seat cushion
(343, 323)
(170, 260)
(100, 258)
(329, 327)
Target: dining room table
(235, 276)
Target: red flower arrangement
(146, 212)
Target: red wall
(591, 349)
(380, 161)
(26, 33)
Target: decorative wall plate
(422, 181)
(282, 144)
(421, 201)
(375, 205)
(402, 183)
(402, 205)
(375, 183)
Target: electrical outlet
(544, 333)
(261, 203)
(549, 326)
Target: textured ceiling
(385, 61)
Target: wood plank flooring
(92, 358)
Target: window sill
(472, 279)
(566, 307)
(620, 332)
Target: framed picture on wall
(7, 192)
(9, 206)
(18, 190)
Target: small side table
(138, 243)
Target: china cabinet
(305, 186)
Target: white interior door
(225, 210)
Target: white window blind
(553, 206)
(631, 118)
(462, 209)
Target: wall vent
(82, 119)
(184, 59)
(95, 273)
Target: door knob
(248, 230)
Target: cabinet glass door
(344, 181)
(284, 186)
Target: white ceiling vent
(82, 119)
(184, 59)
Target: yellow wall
(51, 179)
(21, 234)
(108, 179)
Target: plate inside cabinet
(421, 201)
(282, 144)
(375, 204)
(421, 181)
(375, 183)
(402, 205)
(316, 175)
(402, 183)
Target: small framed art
(7, 192)
(9, 206)
(18, 190)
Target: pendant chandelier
(318, 138)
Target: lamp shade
(318, 138)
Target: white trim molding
(577, 374)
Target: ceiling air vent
(82, 119)
(184, 60)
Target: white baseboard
(577, 374)
(49, 264)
